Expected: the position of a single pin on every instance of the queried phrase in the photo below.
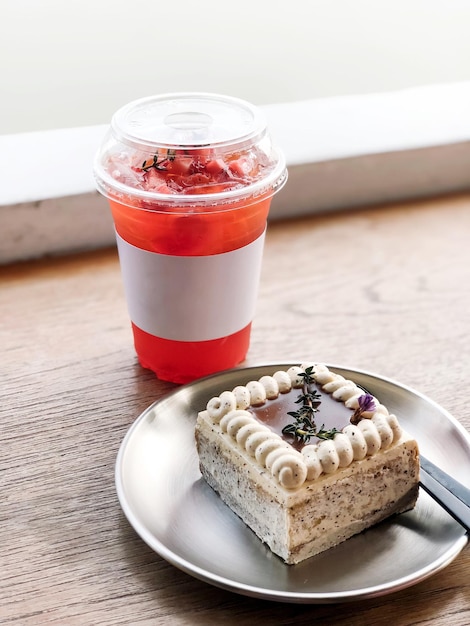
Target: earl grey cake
(306, 459)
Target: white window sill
(341, 152)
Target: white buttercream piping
(257, 393)
(285, 464)
(376, 429)
(242, 397)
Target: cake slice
(306, 458)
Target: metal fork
(448, 492)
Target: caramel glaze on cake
(303, 497)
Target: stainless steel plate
(174, 511)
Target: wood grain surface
(384, 289)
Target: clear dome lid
(188, 148)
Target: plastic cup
(189, 178)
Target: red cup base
(184, 361)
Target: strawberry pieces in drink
(189, 171)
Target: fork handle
(451, 495)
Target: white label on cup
(191, 298)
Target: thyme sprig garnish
(159, 165)
(303, 428)
(154, 162)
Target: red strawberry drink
(190, 178)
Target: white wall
(69, 63)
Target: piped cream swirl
(269, 449)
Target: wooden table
(384, 289)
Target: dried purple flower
(366, 403)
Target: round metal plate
(179, 516)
